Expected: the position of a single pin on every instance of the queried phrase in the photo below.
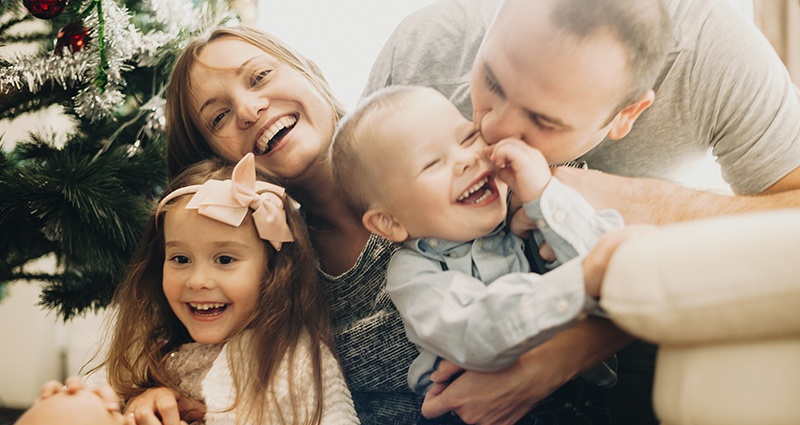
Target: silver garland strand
(125, 45)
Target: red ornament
(74, 35)
(45, 9)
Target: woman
(241, 90)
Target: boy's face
(437, 179)
(557, 94)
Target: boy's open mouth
(274, 134)
(478, 192)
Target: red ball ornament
(45, 9)
(74, 35)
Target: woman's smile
(271, 138)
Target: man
(721, 88)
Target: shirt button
(479, 244)
(541, 224)
(452, 255)
(434, 243)
(559, 216)
(562, 306)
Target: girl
(222, 304)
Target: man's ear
(624, 120)
(383, 224)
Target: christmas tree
(84, 202)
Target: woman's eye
(217, 119)
(225, 259)
(260, 76)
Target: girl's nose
(200, 278)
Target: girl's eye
(180, 259)
(225, 259)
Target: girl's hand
(162, 406)
(522, 167)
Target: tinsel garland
(99, 67)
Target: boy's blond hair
(356, 151)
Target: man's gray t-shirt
(723, 92)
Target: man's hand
(505, 396)
(162, 406)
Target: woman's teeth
(264, 143)
(473, 189)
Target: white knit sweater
(219, 393)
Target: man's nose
(499, 124)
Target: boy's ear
(383, 224)
(624, 120)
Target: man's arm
(655, 201)
(505, 396)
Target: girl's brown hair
(186, 143)
(291, 303)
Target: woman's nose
(249, 110)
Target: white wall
(343, 37)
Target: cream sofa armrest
(720, 279)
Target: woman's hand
(505, 396)
(162, 406)
(596, 262)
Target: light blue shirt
(476, 303)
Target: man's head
(410, 164)
(564, 74)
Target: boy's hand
(522, 167)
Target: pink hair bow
(228, 202)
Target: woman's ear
(383, 224)
(623, 122)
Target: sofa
(721, 298)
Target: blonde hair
(291, 302)
(186, 143)
(357, 177)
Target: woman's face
(247, 100)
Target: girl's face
(246, 100)
(212, 272)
